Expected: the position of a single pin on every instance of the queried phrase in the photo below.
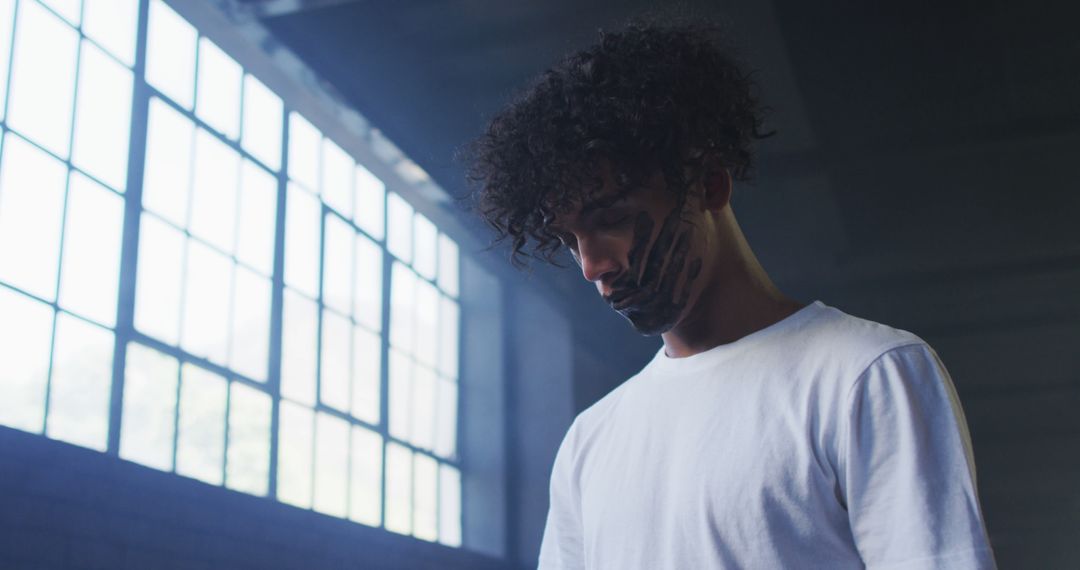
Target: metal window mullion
(184, 256)
(233, 254)
(176, 412)
(235, 269)
(459, 411)
(384, 372)
(352, 322)
(63, 226)
(277, 294)
(225, 449)
(321, 308)
(10, 59)
(129, 248)
(48, 377)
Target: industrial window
(145, 267)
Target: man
(766, 433)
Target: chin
(650, 323)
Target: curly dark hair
(649, 98)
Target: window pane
(102, 117)
(300, 327)
(370, 197)
(7, 25)
(368, 283)
(365, 481)
(427, 323)
(401, 371)
(170, 54)
(367, 360)
(158, 280)
(81, 383)
(68, 9)
(423, 408)
(258, 217)
(262, 123)
(425, 236)
(304, 142)
(112, 23)
(218, 89)
(43, 78)
(248, 465)
(302, 229)
(425, 497)
(398, 488)
(448, 338)
(448, 265)
(296, 430)
(31, 209)
(250, 325)
(399, 216)
(331, 465)
(446, 419)
(206, 303)
(338, 264)
(25, 335)
(200, 442)
(449, 505)
(167, 176)
(337, 175)
(402, 300)
(336, 342)
(91, 262)
(213, 191)
(149, 411)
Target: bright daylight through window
(180, 370)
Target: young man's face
(643, 249)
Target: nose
(598, 265)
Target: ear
(717, 188)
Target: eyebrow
(598, 204)
(606, 201)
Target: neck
(738, 300)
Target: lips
(621, 300)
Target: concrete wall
(540, 380)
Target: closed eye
(611, 219)
(567, 239)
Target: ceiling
(910, 134)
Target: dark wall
(540, 379)
(982, 260)
(484, 414)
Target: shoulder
(878, 369)
(844, 346)
(856, 336)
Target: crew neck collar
(662, 363)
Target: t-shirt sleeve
(908, 474)
(562, 547)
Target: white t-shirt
(822, 441)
